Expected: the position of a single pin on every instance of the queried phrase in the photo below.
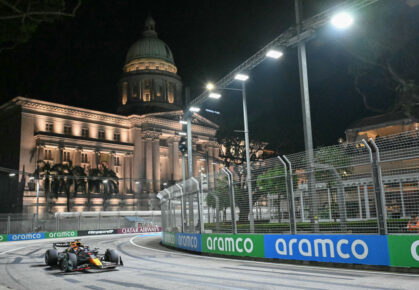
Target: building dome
(149, 82)
(150, 46)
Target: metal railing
(370, 186)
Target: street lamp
(243, 78)
(273, 53)
(194, 109)
(342, 20)
(214, 95)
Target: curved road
(148, 265)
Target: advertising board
(97, 232)
(404, 250)
(3, 238)
(353, 249)
(190, 242)
(62, 234)
(169, 239)
(25, 237)
(234, 245)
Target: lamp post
(340, 20)
(243, 78)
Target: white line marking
(11, 250)
(281, 264)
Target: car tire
(112, 256)
(69, 262)
(51, 257)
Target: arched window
(124, 93)
(171, 93)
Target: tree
(386, 59)
(233, 151)
(221, 190)
(20, 19)
(274, 182)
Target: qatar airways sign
(354, 249)
(140, 229)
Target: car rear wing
(61, 245)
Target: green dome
(150, 46)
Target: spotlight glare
(342, 20)
(272, 53)
(194, 109)
(214, 96)
(241, 77)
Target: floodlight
(272, 53)
(194, 109)
(241, 77)
(214, 95)
(210, 86)
(342, 20)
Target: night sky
(78, 61)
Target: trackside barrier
(71, 234)
(379, 250)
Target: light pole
(243, 78)
(249, 173)
(340, 20)
(308, 135)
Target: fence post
(182, 218)
(232, 198)
(57, 222)
(378, 185)
(8, 224)
(79, 222)
(200, 211)
(290, 193)
(100, 219)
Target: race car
(78, 257)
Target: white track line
(281, 264)
(11, 250)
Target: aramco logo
(414, 250)
(187, 241)
(358, 248)
(228, 244)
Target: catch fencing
(69, 221)
(365, 187)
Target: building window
(124, 93)
(116, 161)
(84, 158)
(117, 137)
(147, 83)
(67, 130)
(48, 154)
(101, 135)
(66, 156)
(134, 91)
(49, 127)
(171, 93)
(85, 133)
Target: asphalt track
(148, 265)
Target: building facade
(139, 144)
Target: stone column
(149, 163)
(156, 163)
(138, 158)
(111, 160)
(177, 171)
(210, 166)
(77, 157)
(127, 174)
(170, 159)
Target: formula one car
(77, 257)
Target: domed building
(139, 143)
(150, 82)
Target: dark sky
(79, 62)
